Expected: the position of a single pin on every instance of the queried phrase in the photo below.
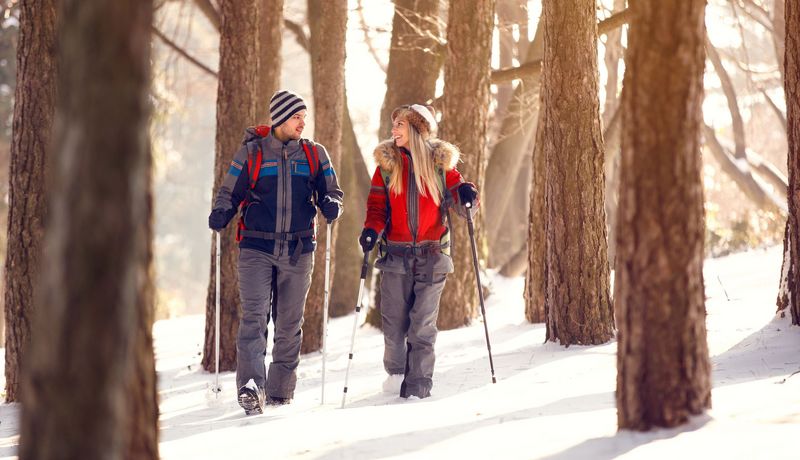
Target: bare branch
(528, 70)
(730, 95)
(210, 12)
(299, 33)
(757, 13)
(614, 21)
(533, 68)
(367, 38)
(183, 53)
(739, 171)
(778, 112)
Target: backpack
(254, 160)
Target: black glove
(467, 193)
(331, 209)
(218, 219)
(368, 239)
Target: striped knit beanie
(283, 105)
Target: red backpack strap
(253, 164)
(313, 158)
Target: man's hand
(218, 219)
(331, 209)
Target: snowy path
(549, 402)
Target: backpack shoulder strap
(312, 155)
(254, 160)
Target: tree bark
(663, 368)
(96, 294)
(464, 122)
(415, 45)
(536, 274)
(142, 391)
(32, 125)
(613, 54)
(578, 305)
(612, 143)
(236, 109)
(792, 88)
(269, 41)
(327, 22)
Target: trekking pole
(325, 308)
(471, 228)
(216, 320)
(364, 267)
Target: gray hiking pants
(409, 308)
(258, 273)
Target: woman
(413, 187)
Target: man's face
(294, 126)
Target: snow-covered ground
(549, 401)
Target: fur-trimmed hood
(445, 154)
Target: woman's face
(400, 132)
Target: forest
(636, 164)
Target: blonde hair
(425, 174)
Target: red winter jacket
(415, 221)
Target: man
(275, 177)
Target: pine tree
(328, 25)
(577, 298)
(33, 119)
(464, 120)
(663, 368)
(95, 309)
(236, 109)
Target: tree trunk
(613, 54)
(142, 392)
(664, 373)
(792, 88)
(415, 45)
(578, 305)
(269, 40)
(464, 120)
(96, 293)
(536, 274)
(236, 109)
(327, 21)
(355, 181)
(33, 115)
(612, 137)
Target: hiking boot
(251, 398)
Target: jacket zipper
(412, 204)
(282, 227)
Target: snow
(549, 401)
